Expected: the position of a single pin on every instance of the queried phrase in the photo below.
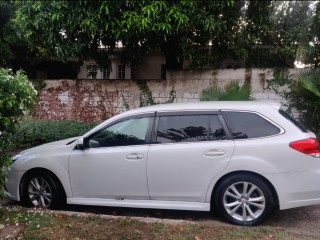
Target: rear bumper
(297, 189)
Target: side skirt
(173, 205)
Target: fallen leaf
(197, 238)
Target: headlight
(14, 158)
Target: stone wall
(96, 100)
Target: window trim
(191, 112)
(148, 134)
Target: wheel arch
(275, 197)
(38, 170)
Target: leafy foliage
(5, 49)
(292, 30)
(231, 92)
(302, 94)
(13, 49)
(181, 29)
(17, 95)
(34, 132)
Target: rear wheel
(43, 190)
(244, 199)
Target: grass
(21, 223)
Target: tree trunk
(171, 50)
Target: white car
(240, 158)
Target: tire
(43, 190)
(243, 199)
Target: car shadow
(142, 212)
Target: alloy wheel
(244, 201)
(39, 192)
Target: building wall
(151, 67)
(83, 73)
(95, 100)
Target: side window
(127, 132)
(189, 128)
(245, 125)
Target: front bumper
(12, 185)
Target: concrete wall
(95, 100)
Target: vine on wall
(84, 103)
(90, 102)
(146, 98)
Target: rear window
(244, 125)
(294, 121)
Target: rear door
(189, 149)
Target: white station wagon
(242, 159)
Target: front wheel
(43, 190)
(244, 199)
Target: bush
(31, 133)
(302, 93)
(17, 96)
(231, 92)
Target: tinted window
(249, 125)
(127, 132)
(294, 121)
(216, 131)
(189, 128)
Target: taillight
(308, 146)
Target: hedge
(34, 132)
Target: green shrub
(35, 132)
(231, 92)
(302, 93)
(17, 96)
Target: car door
(113, 163)
(188, 151)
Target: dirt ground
(304, 220)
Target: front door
(113, 165)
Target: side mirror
(80, 143)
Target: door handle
(134, 156)
(214, 153)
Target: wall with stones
(95, 100)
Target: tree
(16, 96)
(14, 51)
(200, 32)
(314, 54)
(181, 29)
(292, 32)
(5, 49)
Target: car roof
(206, 105)
(195, 106)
